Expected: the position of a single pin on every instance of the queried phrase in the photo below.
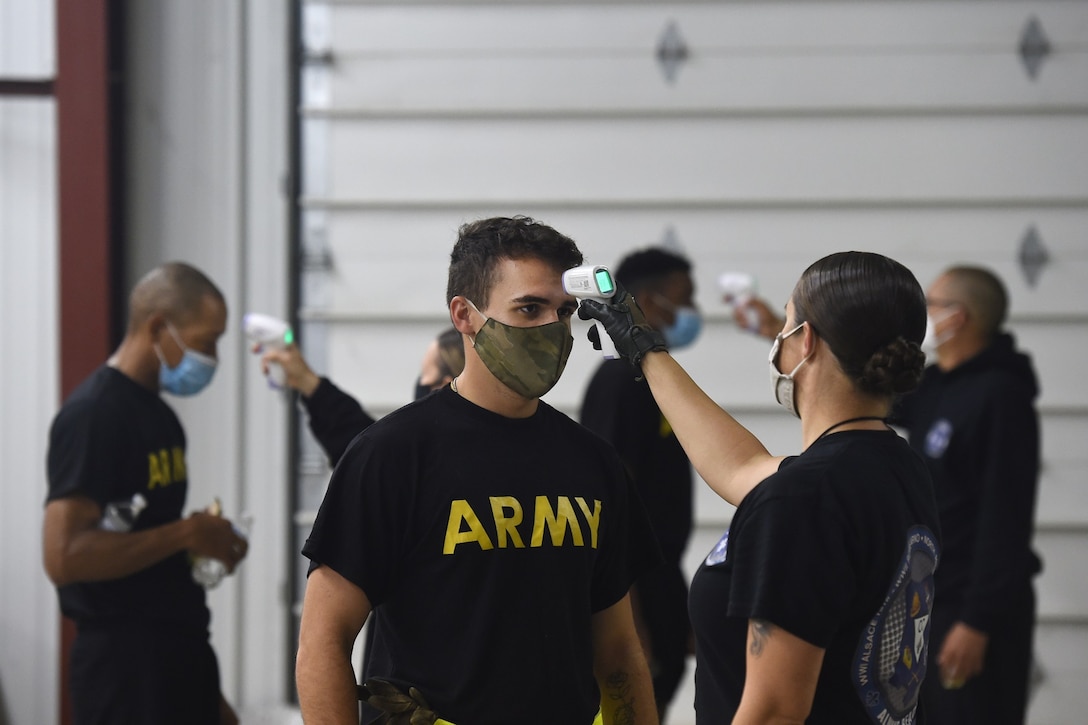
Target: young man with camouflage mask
(497, 537)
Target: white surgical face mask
(782, 383)
(932, 340)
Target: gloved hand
(401, 709)
(625, 324)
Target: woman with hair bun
(814, 606)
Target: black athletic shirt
(623, 411)
(111, 439)
(838, 548)
(486, 543)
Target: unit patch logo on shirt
(890, 662)
(717, 554)
(938, 438)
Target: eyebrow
(533, 299)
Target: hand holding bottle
(218, 545)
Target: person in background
(497, 537)
(335, 417)
(141, 653)
(816, 604)
(973, 421)
(620, 407)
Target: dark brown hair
(871, 312)
(482, 244)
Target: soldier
(815, 604)
(973, 421)
(620, 407)
(496, 537)
(141, 654)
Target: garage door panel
(781, 161)
(1062, 587)
(633, 86)
(370, 250)
(562, 27)
(601, 58)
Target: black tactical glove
(625, 324)
(400, 709)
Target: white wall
(29, 621)
(208, 159)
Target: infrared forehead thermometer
(593, 281)
(738, 289)
(268, 331)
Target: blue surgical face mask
(686, 325)
(191, 375)
(685, 328)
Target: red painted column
(84, 210)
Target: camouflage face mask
(528, 360)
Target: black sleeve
(792, 565)
(362, 525)
(86, 446)
(1003, 557)
(614, 407)
(335, 419)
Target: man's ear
(461, 315)
(154, 325)
(652, 311)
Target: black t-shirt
(112, 439)
(486, 543)
(623, 411)
(838, 548)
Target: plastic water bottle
(121, 516)
(209, 571)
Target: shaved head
(983, 293)
(175, 290)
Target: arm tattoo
(618, 690)
(759, 631)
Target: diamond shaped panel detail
(1034, 47)
(672, 51)
(1033, 256)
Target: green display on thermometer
(604, 282)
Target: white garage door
(755, 136)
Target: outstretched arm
(335, 417)
(728, 457)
